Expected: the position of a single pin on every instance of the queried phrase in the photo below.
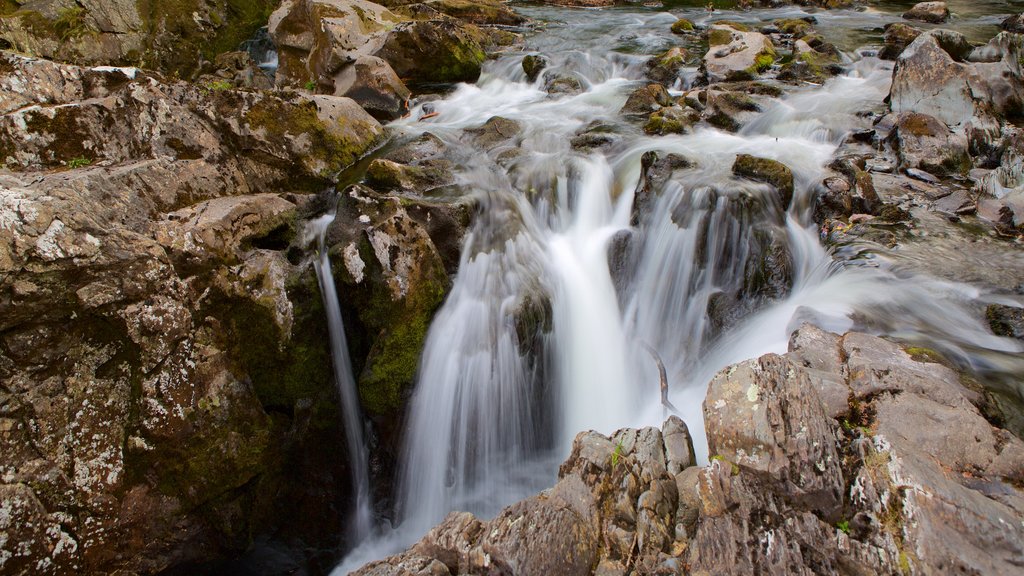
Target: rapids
(495, 409)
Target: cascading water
(567, 276)
(362, 518)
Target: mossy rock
(769, 171)
(671, 121)
(719, 37)
(682, 26)
(738, 26)
(435, 51)
(533, 65)
(794, 26)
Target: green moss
(682, 26)
(734, 25)
(281, 119)
(921, 354)
(763, 61)
(793, 26)
(719, 37)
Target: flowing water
(577, 266)
(361, 521)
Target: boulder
(1014, 23)
(897, 37)
(646, 99)
(768, 171)
(665, 67)
(931, 12)
(727, 110)
(372, 83)
(1006, 320)
(671, 120)
(317, 39)
(479, 12)
(732, 51)
(925, 143)
(533, 65)
(435, 51)
(940, 75)
(682, 26)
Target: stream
(704, 269)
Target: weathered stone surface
(897, 37)
(733, 51)
(665, 67)
(108, 117)
(932, 12)
(925, 143)
(373, 84)
(769, 171)
(646, 99)
(1014, 23)
(846, 455)
(435, 51)
(176, 38)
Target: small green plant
(719, 458)
(70, 23)
(219, 85)
(616, 455)
(843, 526)
(80, 162)
(311, 85)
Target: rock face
(932, 12)
(847, 455)
(732, 51)
(171, 37)
(65, 116)
(163, 362)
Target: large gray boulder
(732, 51)
(931, 12)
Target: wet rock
(496, 132)
(897, 37)
(646, 99)
(682, 26)
(442, 51)
(374, 85)
(1014, 23)
(176, 40)
(931, 12)
(732, 51)
(1006, 320)
(674, 120)
(239, 69)
(655, 172)
(925, 143)
(479, 12)
(665, 67)
(582, 3)
(728, 110)
(562, 85)
(533, 65)
(769, 171)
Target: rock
(175, 40)
(582, 3)
(925, 143)
(317, 39)
(665, 67)
(239, 69)
(897, 37)
(373, 84)
(728, 110)
(442, 51)
(682, 26)
(646, 99)
(533, 65)
(559, 85)
(497, 131)
(732, 51)
(931, 12)
(932, 77)
(1014, 23)
(1006, 320)
(769, 171)
(672, 120)
(479, 12)
(110, 118)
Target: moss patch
(682, 26)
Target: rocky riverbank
(166, 397)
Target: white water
(361, 522)
(494, 409)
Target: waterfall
(362, 520)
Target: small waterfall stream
(361, 523)
(544, 335)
